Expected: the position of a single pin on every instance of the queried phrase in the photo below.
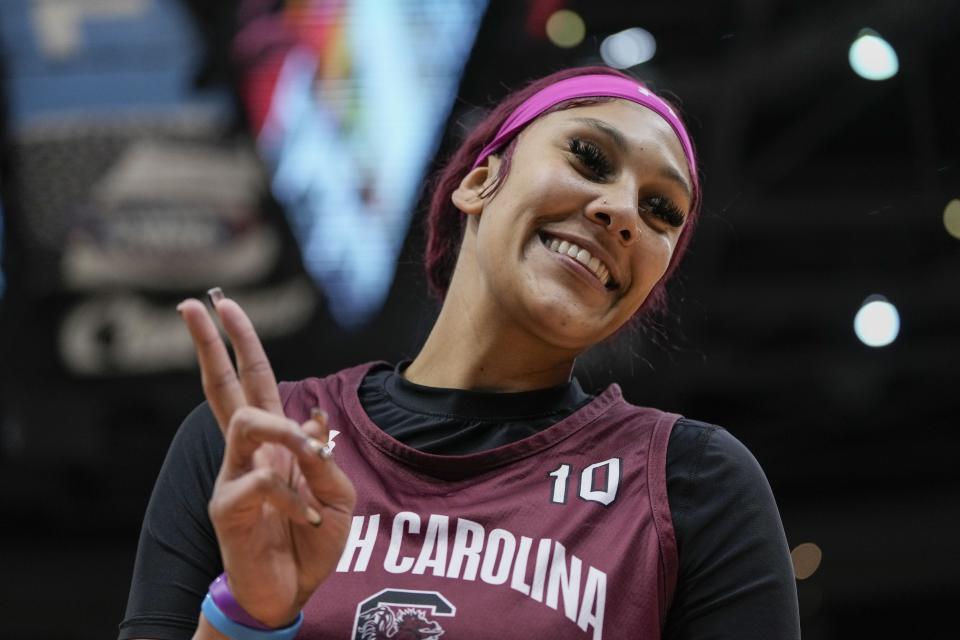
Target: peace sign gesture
(281, 507)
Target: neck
(474, 345)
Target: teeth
(582, 256)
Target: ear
(466, 197)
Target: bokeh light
(806, 560)
(877, 323)
(566, 28)
(951, 218)
(628, 48)
(872, 57)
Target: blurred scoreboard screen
(133, 184)
(348, 101)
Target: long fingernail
(215, 295)
(320, 448)
(319, 415)
(313, 517)
(180, 307)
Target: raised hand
(281, 507)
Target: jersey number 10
(588, 489)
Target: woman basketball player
(477, 491)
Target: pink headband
(591, 86)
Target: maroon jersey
(564, 534)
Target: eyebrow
(618, 139)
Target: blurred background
(152, 149)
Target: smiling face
(584, 224)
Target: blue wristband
(237, 631)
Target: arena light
(628, 48)
(951, 218)
(806, 559)
(877, 323)
(872, 57)
(566, 28)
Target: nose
(617, 217)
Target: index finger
(220, 384)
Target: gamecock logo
(400, 614)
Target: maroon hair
(446, 224)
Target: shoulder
(702, 446)
(708, 467)
(332, 384)
(611, 406)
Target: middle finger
(255, 373)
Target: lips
(570, 248)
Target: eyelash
(597, 162)
(592, 157)
(664, 209)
